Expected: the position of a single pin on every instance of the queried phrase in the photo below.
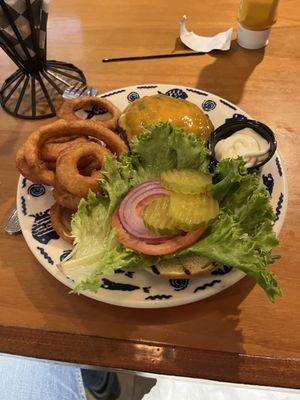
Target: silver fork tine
(79, 89)
(82, 90)
(75, 88)
(70, 91)
(91, 92)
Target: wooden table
(236, 336)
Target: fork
(75, 91)
(12, 224)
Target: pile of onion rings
(109, 113)
(69, 156)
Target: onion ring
(60, 219)
(51, 165)
(66, 199)
(24, 169)
(86, 165)
(68, 109)
(61, 129)
(67, 172)
(51, 150)
(63, 139)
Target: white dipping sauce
(245, 143)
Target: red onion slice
(131, 210)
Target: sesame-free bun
(182, 267)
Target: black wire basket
(35, 90)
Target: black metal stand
(36, 88)
(35, 95)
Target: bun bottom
(182, 267)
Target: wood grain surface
(236, 335)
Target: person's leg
(26, 379)
(103, 385)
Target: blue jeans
(26, 379)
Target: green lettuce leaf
(229, 244)
(96, 251)
(110, 257)
(242, 236)
(242, 194)
(115, 181)
(162, 147)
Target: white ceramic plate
(140, 288)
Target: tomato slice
(167, 247)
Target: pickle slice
(186, 181)
(190, 212)
(156, 217)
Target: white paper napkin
(204, 44)
(171, 388)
